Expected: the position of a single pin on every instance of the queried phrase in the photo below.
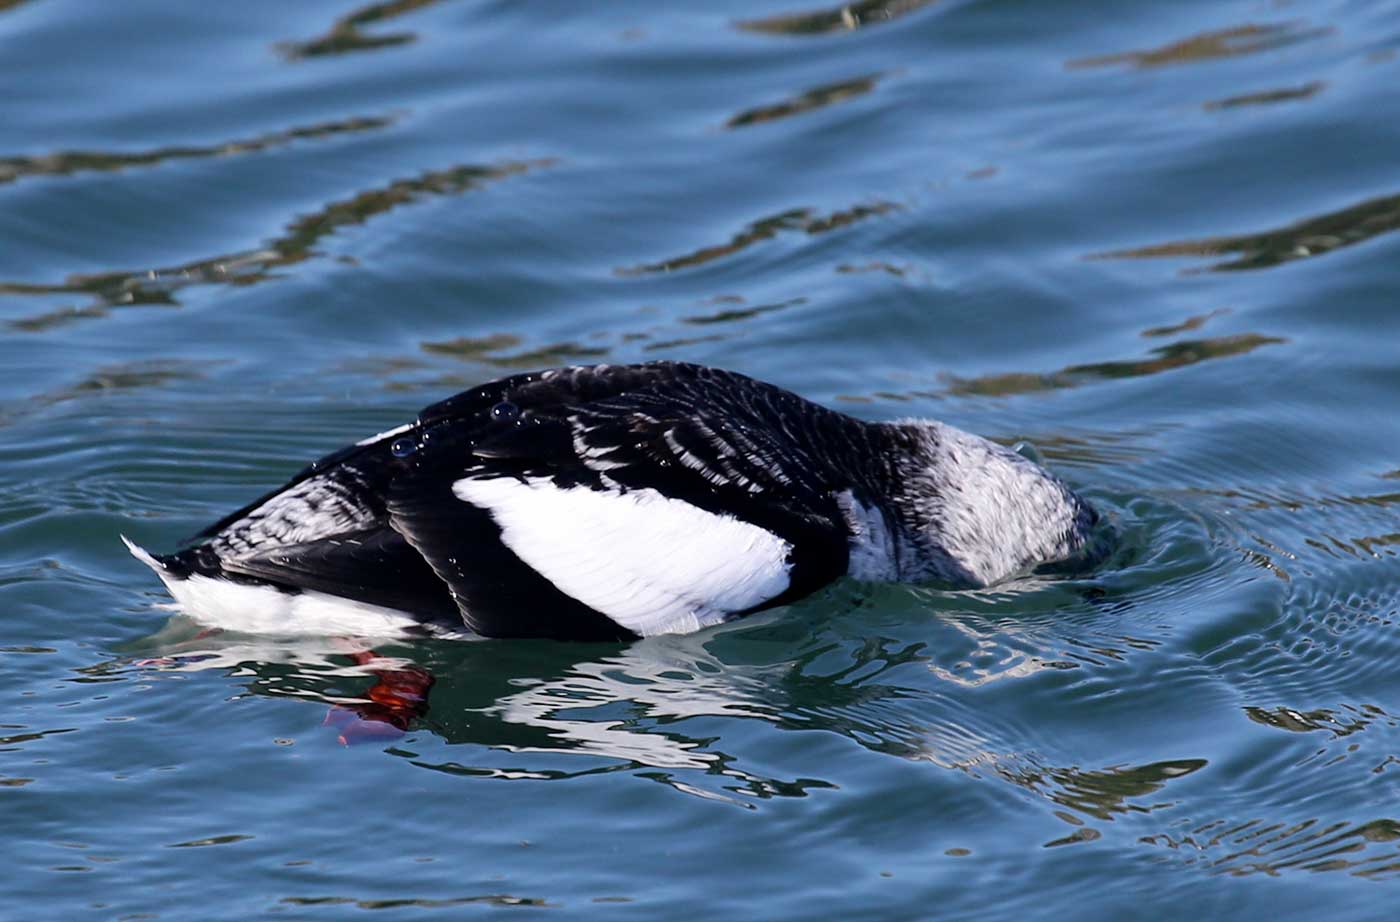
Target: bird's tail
(167, 568)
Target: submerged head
(977, 513)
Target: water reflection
(345, 33)
(815, 98)
(1339, 722)
(1212, 45)
(504, 350)
(486, 350)
(1119, 448)
(1171, 357)
(491, 352)
(802, 220)
(1267, 97)
(647, 708)
(637, 709)
(736, 313)
(875, 266)
(1194, 322)
(1257, 498)
(65, 163)
(1304, 239)
(1099, 794)
(1378, 545)
(508, 350)
(489, 899)
(840, 19)
(1260, 847)
(122, 377)
(296, 244)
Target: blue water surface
(1152, 239)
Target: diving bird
(617, 501)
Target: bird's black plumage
(383, 521)
(378, 522)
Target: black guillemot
(616, 501)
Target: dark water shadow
(346, 33)
(845, 18)
(827, 94)
(1301, 240)
(1214, 45)
(67, 163)
(796, 220)
(298, 243)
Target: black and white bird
(615, 501)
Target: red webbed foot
(397, 698)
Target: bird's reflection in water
(649, 707)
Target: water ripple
(346, 33)
(802, 220)
(67, 163)
(1171, 357)
(1235, 41)
(1365, 849)
(490, 899)
(1267, 97)
(816, 98)
(296, 244)
(845, 18)
(1300, 240)
(487, 350)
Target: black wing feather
(497, 594)
(691, 433)
(367, 524)
(377, 566)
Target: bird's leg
(397, 698)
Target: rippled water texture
(1153, 240)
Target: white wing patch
(653, 564)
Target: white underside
(257, 609)
(653, 564)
